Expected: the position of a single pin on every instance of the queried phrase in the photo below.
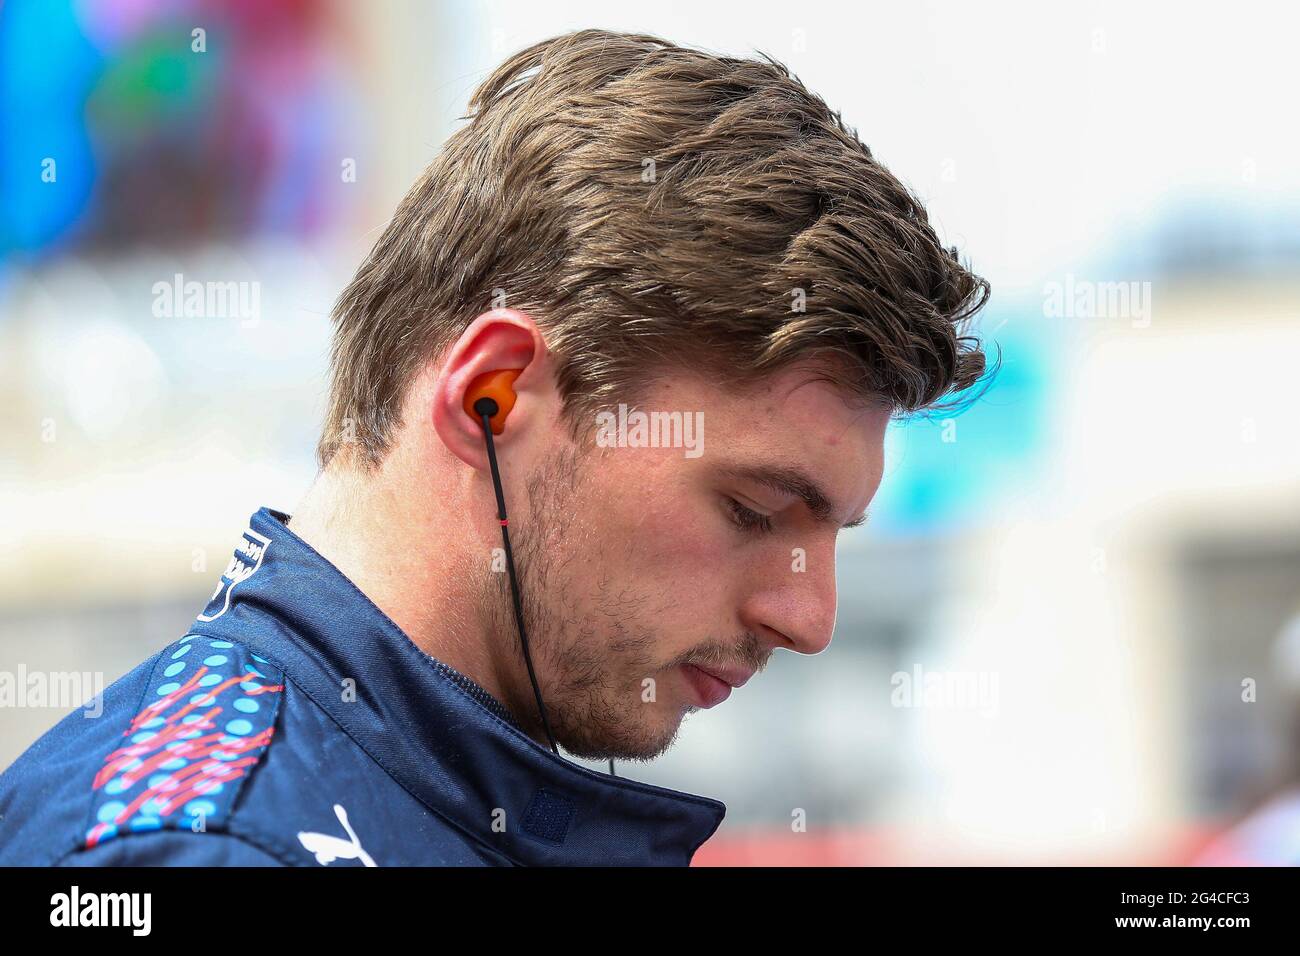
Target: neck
(406, 544)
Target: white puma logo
(330, 848)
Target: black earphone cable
(486, 408)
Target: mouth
(713, 685)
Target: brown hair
(654, 207)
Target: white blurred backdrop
(1082, 580)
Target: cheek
(661, 532)
(672, 545)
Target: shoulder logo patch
(208, 717)
(243, 563)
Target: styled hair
(654, 208)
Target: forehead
(792, 422)
(800, 405)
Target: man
(702, 300)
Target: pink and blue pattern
(209, 716)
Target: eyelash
(747, 519)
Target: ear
(496, 340)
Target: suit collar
(435, 731)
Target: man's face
(654, 578)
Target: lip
(731, 676)
(709, 690)
(713, 684)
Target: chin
(636, 743)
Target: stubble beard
(591, 666)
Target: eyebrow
(793, 482)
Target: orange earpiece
(490, 397)
(497, 387)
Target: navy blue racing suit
(296, 724)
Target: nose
(793, 603)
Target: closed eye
(748, 519)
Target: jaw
(599, 729)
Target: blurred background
(1067, 634)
